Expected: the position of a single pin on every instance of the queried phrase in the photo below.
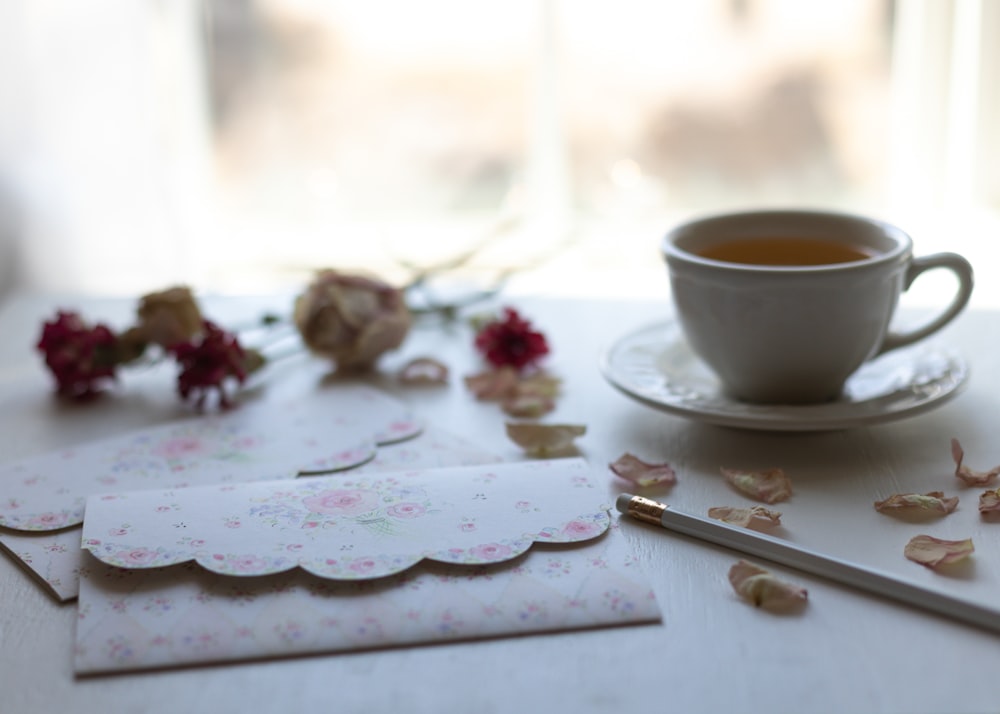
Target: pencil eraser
(623, 501)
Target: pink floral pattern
(351, 527)
(56, 557)
(274, 441)
(342, 502)
(170, 617)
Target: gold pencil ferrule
(643, 509)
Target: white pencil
(780, 551)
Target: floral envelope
(350, 561)
(352, 526)
(43, 496)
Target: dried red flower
(206, 362)
(511, 341)
(78, 355)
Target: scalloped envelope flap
(352, 527)
(256, 442)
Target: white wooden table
(846, 652)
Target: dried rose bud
(511, 341)
(207, 363)
(351, 319)
(169, 317)
(131, 345)
(80, 356)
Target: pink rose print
(48, 520)
(580, 529)
(406, 510)
(363, 566)
(136, 556)
(341, 502)
(402, 427)
(490, 552)
(117, 531)
(467, 527)
(179, 447)
(248, 564)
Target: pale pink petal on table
(767, 485)
(493, 384)
(539, 383)
(527, 405)
(642, 473)
(970, 477)
(532, 396)
(424, 370)
(989, 501)
(544, 439)
(935, 552)
(764, 589)
(745, 517)
(933, 502)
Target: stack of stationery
(307, 526)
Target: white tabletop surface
(846, 652)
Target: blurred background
(546, 145)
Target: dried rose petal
(934, 552)
(763, 589)
(970, 477)
(544, 439)
(527, 405)
(989, 501)
(632, 468)
(745, 517)
(493, 384)
(424, 370)
(932, 502)
(769, 485)
(541, 384)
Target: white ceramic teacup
(794, 333)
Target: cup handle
(962, 270)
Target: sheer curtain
(104, 149)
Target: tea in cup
(785, 305)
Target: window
(239, 144)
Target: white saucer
(655, 366)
